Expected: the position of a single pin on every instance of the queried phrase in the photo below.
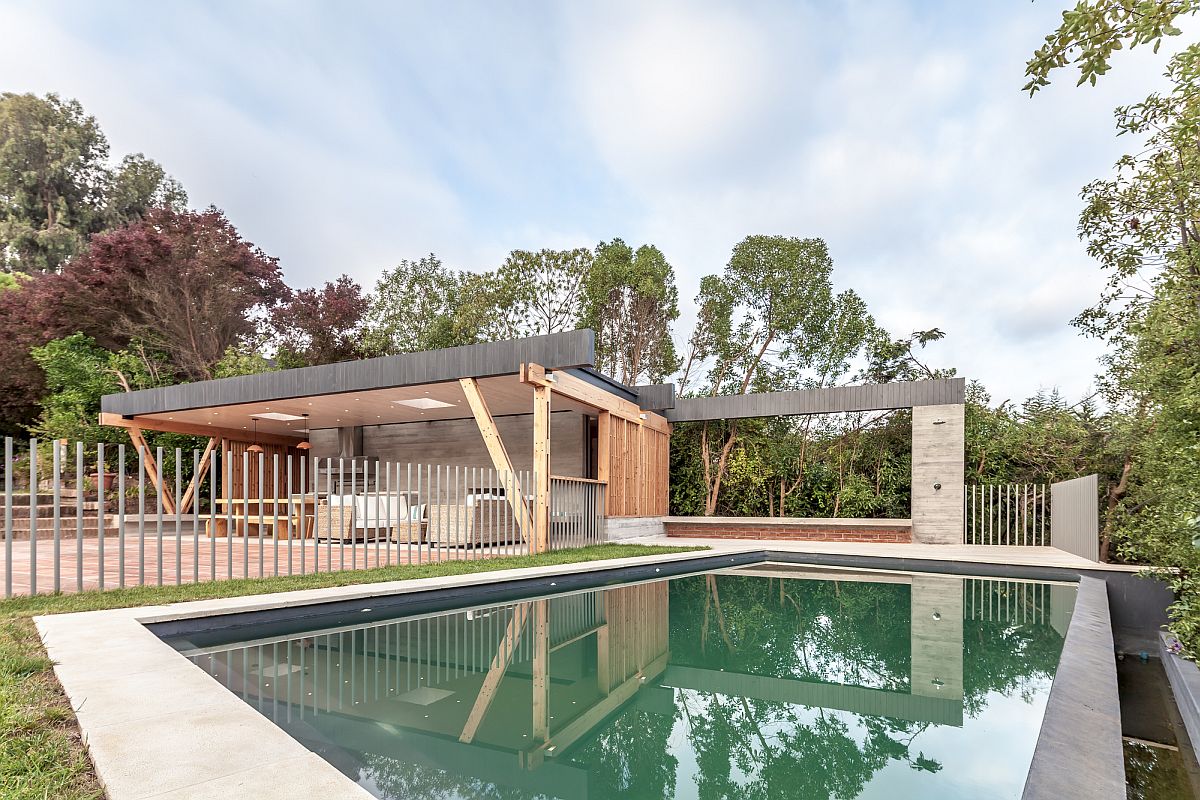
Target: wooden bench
(217, 525)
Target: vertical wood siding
(639, 463)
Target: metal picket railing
(1007, 514)
(576, 512)
(101, 517)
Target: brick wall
(811, 533)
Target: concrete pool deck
(158, 726)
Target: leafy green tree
(1141, 225)
(539, 292)
(138, 185)
(1092, 32)
(243, 359)
(10, 280)
(897, 359)
(424, 305)
(56, 186)
(630, 300)
(52, 179)
(771, 321)
(78, 373)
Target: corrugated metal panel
(829, 400)
(554, 351)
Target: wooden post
(541, 670)
(139, 442)
(194, 485)
(604, 456)
(541, 468)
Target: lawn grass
(41, 753)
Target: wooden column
(604, 456)
(541, 468)
(541, 671)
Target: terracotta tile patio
(183, 561)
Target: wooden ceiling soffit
(192, 429)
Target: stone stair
(69, 518)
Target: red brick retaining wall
(817, 533)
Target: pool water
(773, 681)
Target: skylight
(277, 415)
(423, 402)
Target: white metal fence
(101, 517)
(1007, 514)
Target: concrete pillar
(937, 636)
(938, 454)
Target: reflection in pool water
(767, 682)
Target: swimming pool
(771, 681)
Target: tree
(321, 326)
(56, 187)
(896, 359)
(243, 359)
(539, 293)
(1092, 32)
(78, 373)
(771, 321)
(138, 185)
(1143, 227)
(630, 300)
(183, 283)
(424, 306)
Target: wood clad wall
(638, 628)
(234, 482)
(638, 468)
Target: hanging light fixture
(305, 444)
(255, 447)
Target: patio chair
(334, 521)
(477, 522)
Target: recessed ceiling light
(423, 402)
(277, 415)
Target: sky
(345, 137)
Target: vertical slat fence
(139, 517)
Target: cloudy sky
(344, 137)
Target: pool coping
(1079, 751)
(164, 729)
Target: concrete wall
(457, 442)
(619, 528)
(938, 453)
(936, 634)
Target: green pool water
(774, 681)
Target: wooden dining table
(268, 512)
